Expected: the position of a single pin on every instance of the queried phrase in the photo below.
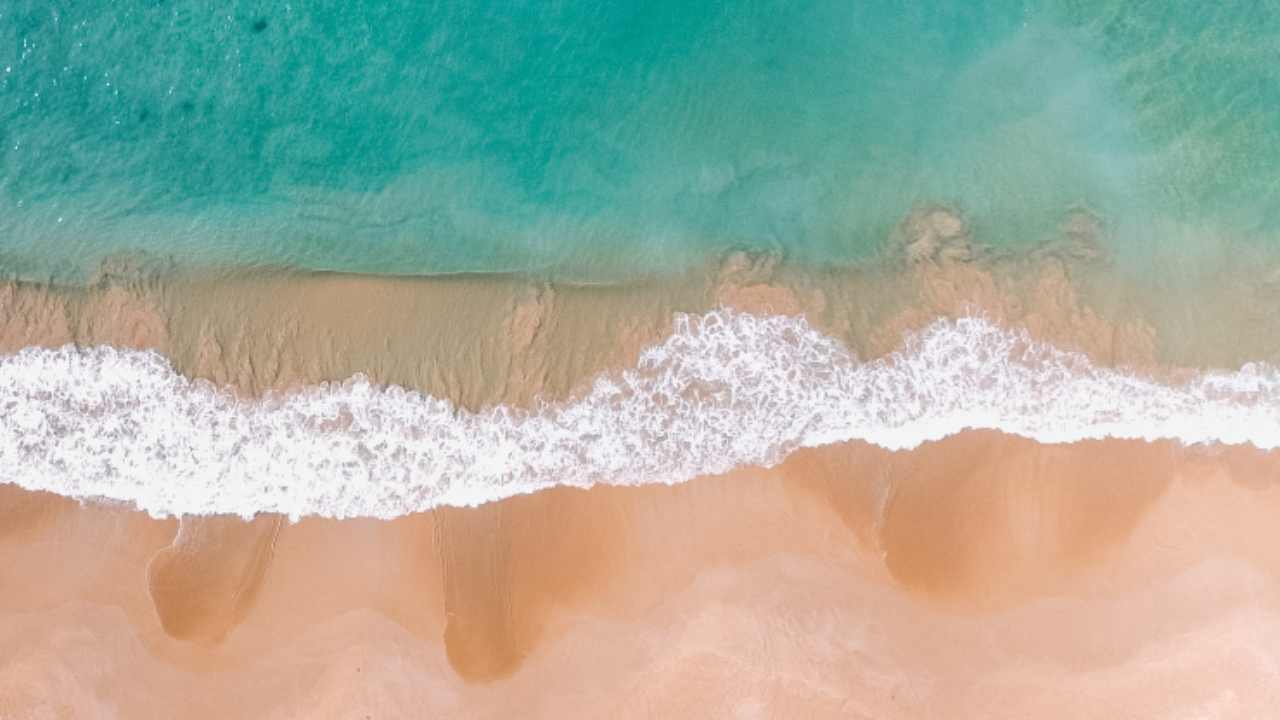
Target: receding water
(592, 140)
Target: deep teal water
(600, 139)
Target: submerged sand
(980, 576)
(480, 341)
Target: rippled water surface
(592, 140)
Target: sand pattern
(981, 576)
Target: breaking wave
(726, 389)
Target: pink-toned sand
(984, 576)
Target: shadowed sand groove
(205, 582)
(985, 518)
(481, 634)
(507, 568)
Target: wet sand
(981, 576)
(484, 340)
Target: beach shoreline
(416, 393)
(976, 575)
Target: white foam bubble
(726, 389)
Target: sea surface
(599, 142)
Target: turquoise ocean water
(593, 140)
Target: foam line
(726, 389)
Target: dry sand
(982, 576)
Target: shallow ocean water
(596, 142)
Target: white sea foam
(725, 390)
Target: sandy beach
(982, 576)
